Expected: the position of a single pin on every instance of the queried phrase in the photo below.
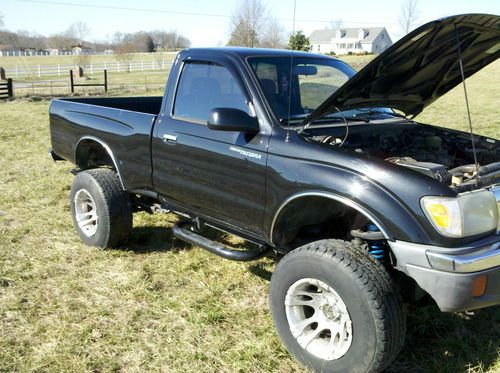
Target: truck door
(218, 174)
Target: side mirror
(226, 119)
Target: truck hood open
(421, 67)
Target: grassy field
(34, 61)
(159, 304)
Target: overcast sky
(206, 23)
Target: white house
(355, 40)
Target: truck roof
(244, 52)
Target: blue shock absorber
(376, 248)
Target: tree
(299, 42)
(247, 23)
(78, 31)
(60, 41)
(408, 17)
(169, 40)
(125, 53)
(273, 36)
(2, 24)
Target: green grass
(158, 304)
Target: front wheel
(101, 209)
(336, 309)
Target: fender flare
(346, 201)
(108, 150)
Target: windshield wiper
(327, 119)
(379, 112)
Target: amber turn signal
(479, 286)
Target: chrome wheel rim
(85, 212)
(318, 319)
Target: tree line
(77, 35)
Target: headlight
(468, 214)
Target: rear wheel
(101, 209)
(336, 309)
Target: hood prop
(467, 102)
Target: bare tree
(125, 53)
(251, 26)
(246, 23)
(60, 41)
(169, 40)
(79, 31)
(83, 61)
(30, 40)
(273, 35)
(2, 24)
(408, 17)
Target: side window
(203, 87)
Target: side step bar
(182, 231)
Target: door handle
(169, 139)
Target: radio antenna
(466, 102)
(287, 139)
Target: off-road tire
(112, 203)
(364, 285)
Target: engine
(444, 155)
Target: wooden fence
(6, 90)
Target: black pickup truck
(322, 168)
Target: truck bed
(123, 124)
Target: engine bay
(443, 154)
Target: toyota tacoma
(313, 164)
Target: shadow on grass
(153, 239)
(435, 341)
(145, 240)
(444, 342)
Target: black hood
(421, 67)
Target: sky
(206, 23)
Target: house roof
(325, 36)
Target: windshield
(313, 80)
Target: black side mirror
(226, 119)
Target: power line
(175, 12)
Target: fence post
(118, 62)
(142, 65)
(71, 81)
(39, 72)
(58, 69)
(105, 80)
(91, 69)
(163, 64)
(10, 88)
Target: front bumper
(451, 276)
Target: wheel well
(311, 218)
(92, 154)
